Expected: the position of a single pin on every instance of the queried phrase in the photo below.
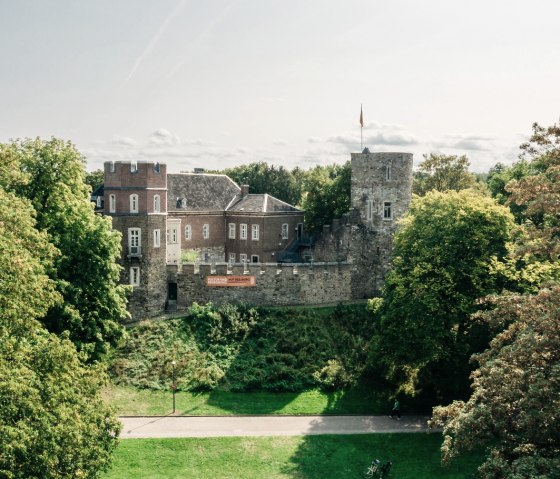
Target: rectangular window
(388, 172)
(231, 258)
(285, 231)
(254, 259)
(255, 232)
(172, 236)
(231, 231)
(369, 211)
(112, 203)
(135, 276)
(242, 258)
(206, 231)
(134, 241)
(188, 232)
(157, 238)
(242, 231)
(134, 203)
(133, 166)
(387, 211)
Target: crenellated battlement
(274, 283)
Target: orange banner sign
(228, 281)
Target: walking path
(217, 426)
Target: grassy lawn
(305, 457)
(137, 402)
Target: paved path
(213, 426)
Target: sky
(219, 83)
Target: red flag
(361, 117)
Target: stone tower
(136, 199)
(381, 190)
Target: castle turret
(381, 190)
(136, 199)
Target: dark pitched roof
(201, 192)
(99, 191)
(262, 203)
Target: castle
(200, 237)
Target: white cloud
(161, 136)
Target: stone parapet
(275, 284)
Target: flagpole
(361, 128)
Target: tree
(53, 421)
(443, 173)
(444, 259)
(326, 194)
(85, 272)
(515, 404)
(94, 179)
(539, 193)
(500, 176)
(263, 178)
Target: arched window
(156, 204)
(134, 203)
(112, 203)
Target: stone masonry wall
(276, 284)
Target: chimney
(244, 190)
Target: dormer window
(181, 202)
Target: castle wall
(276, 284)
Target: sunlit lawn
(130, 402)
(338, 457)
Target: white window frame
(157, 238)
(172, 234)
(369, 210)
(205, 231)
(231, 258)
(134, 276)
(157, 204)
(231, 230)
(112, 203)
(285, 231)
(243, 231)
(133, 166)
(243, 258)
(188, 232)
(134, 203)
(255, 232)
(387, 210)
(111, 167)
(134, 239)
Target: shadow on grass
(414, 455)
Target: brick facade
(349, 261)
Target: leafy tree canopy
(94, 178)
(51, 177)
(263, 178)
(444, 259)
(443, 173)
(53, 422)
(326, 194)
(515, 404)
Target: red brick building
(167, 219)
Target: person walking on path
(396, 410)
